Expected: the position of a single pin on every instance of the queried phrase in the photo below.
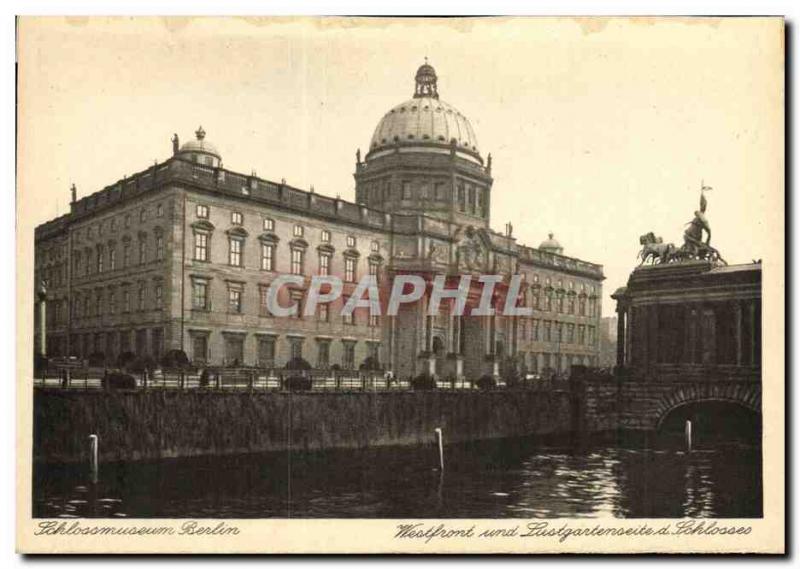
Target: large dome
(424, 119)
(200, 150)
(425, 122)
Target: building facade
(181, 255)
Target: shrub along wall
(136, 425)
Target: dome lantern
(198, 150)
(425, 80)
(551, 245)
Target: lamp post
(42, 296)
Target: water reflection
(484, 479)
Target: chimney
(175, 144)
(74, 191)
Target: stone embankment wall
(144, 425)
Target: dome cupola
(551, 245)
(198, 150)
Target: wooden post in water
(93, 458)
(688, 433)
(438, 432)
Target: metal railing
(258, 379)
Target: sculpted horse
(655, 250)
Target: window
(535, 330)
(112, 258)
(235, 251)
(326, 236)
(348, 319)
(202, 211)
(296, 348)
(324, 264)
(201, 247)
(158, 295)
(159, 247)
(479, 199)
(581, 334)
(438, 190)
(142, 215)
(462, 206)
(298, 231)
(548, 331)
(267, 257)
(263, 307)
(98, 310)
(140, 297)
(375, 247)
(590, 331)
(323, 312)
(349, 355)
(266, 351)
(423, 191)
(471, 199)
(127, 221)
(126, 255)
(113, 224)
(406, 189)
(234, 349)
(351, 241)
(297, 261)
(100, 259)
(373, 351)
(570, 333)
(374, 270)
(582, 305)
(235, 299)
(269, 224)
(350, 269)
(236, 217)
(200, 295)
(373, 320)
(159, 210)
(156, 342)
(323, 354)
(112, 301)
(126, 300)
(142, 251)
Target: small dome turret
(551, 245)
(200, 150)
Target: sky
(600, 130)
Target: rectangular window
(235, 252)
(438, 189)
(298, 231)
(158, 295)
(297, 261)
(374, 270)
(126, 256)
(201, 247)
(126, 300)
(159, 247)
(375, 247)
(373, 320)
(112, 302)
(471, 199)
(112, 258)
(267, 257)
(235, 299)
(202, 211)
(324, 264)
(323, 312)
(200, 295)
(351, 241)
(462, 200)
(323, 354)
(326, 236)
(296, 348)
(350, 269)
(234, 349)
(99, 302)
(140, 297)
(570, 333)
(142, 215)
(142, 252)
(269, 224)
(236, 217)
(266, 351)
(349, 319)
(349, 355)
(406, 189)
(159, 210)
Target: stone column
(751, 310)
(621, 315)
(737, 307)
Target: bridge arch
(747, 395)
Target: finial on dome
(425, 80)
(200, 133)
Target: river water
(495, 479)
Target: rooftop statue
(694, 246)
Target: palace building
(181, 254)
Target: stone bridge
(640, 405)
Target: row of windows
(542, 362)
(552, 301)
(266, 350)
(559, 285)
(201, 300)
(101, 227)
(237, 218)
(104, 258)
(552, 331)
(112, 343)
(268, 256)
(124, 299)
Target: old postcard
(349, 285)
